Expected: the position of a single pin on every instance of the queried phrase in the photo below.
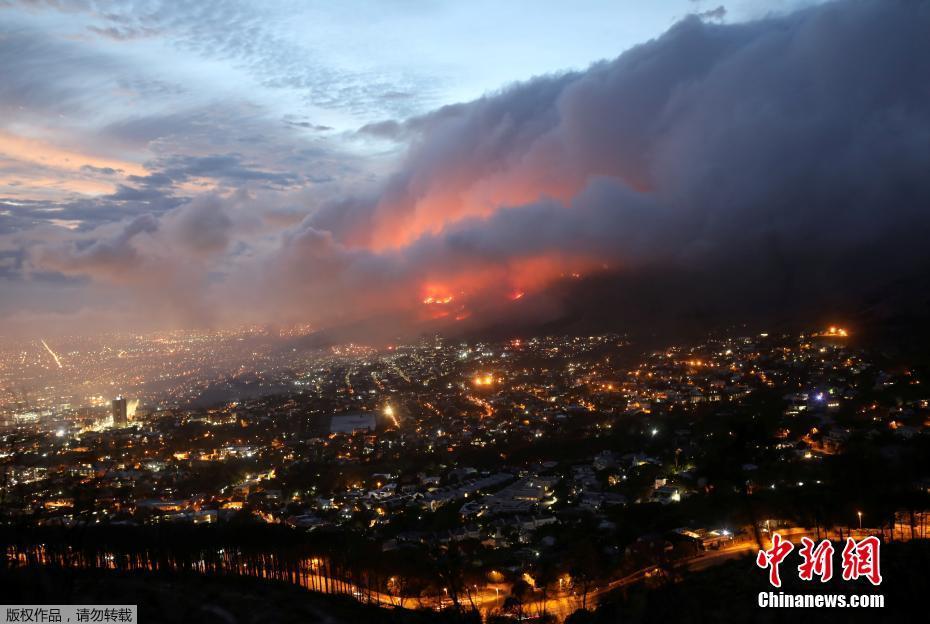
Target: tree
(519, 594)
(586, 568)
(580, 616)
(546, 575)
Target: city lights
(464, 312)
(342, 408)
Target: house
(667, 494)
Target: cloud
(226, 167)
(719, 170)
(101, 170)
(307, 125)
(253, 39)
(124, 34)
(202, 225)
(781, 156)
(713, 14)
(114, 256)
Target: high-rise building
(119, 411)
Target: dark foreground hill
(729, 593)
(189, 598)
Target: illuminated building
(119, 411)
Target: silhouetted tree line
(331, 563)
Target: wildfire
(440, 303)
(431, 300)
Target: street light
(859, 513)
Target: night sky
(412, 164)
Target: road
(566, 603)
(491, 598)
(563, 605)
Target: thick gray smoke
(775, 165)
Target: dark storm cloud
(784, 158)
(719, 169)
